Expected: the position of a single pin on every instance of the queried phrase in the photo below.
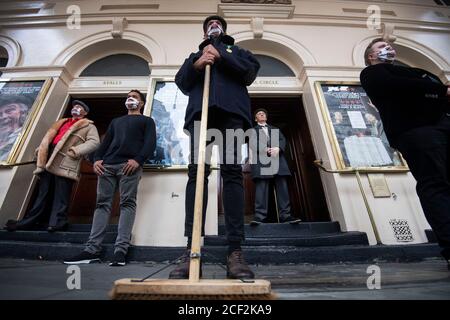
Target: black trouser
(427, 151)
(262, 197)
(233, 190)
(54, 195)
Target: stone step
(87, 228)
(329, 239)
(287, 230)
(253, 254)
(44, 236)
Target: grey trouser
(106, 187)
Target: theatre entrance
(82, 204)
(305, 186)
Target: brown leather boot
(237, 268)
(182, 269)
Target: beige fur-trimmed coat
(82, 138)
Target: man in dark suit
(232, 70)
(268, 143)
(414, 108)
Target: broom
(194, 288)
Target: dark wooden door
(84, 194)
(305, 186)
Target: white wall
(319, 40)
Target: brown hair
(369, 49)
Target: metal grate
(401, 229)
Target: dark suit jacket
(230, 76)
(406, 98)
(258, 157)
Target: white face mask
(76, 112)
(214, 30)
(132, 103)
(386, 55)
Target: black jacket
(406, 98)
(258, 144)
(230, 76)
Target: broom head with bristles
(204, 289)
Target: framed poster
(167, 106)
(20, 101)
(355, 129)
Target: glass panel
(168, 110)
(117, 65)
(271, 67)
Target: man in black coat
(232, 69)
(414, 108)
(269, 143)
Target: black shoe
(255, 222)
(11, 225)
(83, 258)
(63, 227)
(118, 259)
(290, 220)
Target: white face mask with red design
(76, 112)
(214, 30)
(132, 103)
(387, 54)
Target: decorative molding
(181, 18)
(14, 50)
(257, 27)
(277, 45)
(119, 25)
(270, 85)
(129, 7)
(38, 71)
(96, 84)
(153, 50)
(318, 72)
(387, 30)
(259, 1)
(256, 10)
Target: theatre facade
(311, 53)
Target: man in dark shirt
(232, 69)
(130, 140)
(414, 108)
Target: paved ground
(47, 280)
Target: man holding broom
(232, 70)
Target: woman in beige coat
(58, 165)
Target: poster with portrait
(168, 107)
(355, 128)
(19, 103)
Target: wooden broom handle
(194, 267)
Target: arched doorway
(286, 111)
(3, 58)
(104, 108)
(103, 73)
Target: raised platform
(319, 242)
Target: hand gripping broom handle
(194, 267)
